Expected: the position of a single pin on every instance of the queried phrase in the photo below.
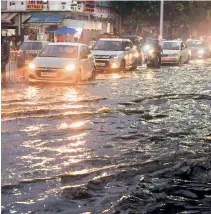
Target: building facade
(19, 15)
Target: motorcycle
(150, 56)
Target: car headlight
(32, 66)
(151, 51)
(113, 57)
(136, 54)
(70, 67)
(201, 51)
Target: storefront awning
(7, 17)
(45, 19)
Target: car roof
(36, 41)
(171, 41)
(115, 39)
(66, 43)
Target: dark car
(198, 49)
(29, 50)
(138, 42)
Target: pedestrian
(5, 54)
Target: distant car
(62, 62)
(199, 49)
(114, 54)
(174, 51)
(29, 50)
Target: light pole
(161, 18)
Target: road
(137, 142)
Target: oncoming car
(62, 62)
(114, 54)
(174, 51)
(199, 49)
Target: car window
(109, 45)
(60, 51)
(195, 43)
(171, 45)
(31, 46)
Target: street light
(161, 18)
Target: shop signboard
(36, 4)
(89, 6)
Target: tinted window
(195, 43)
(108, 45)
(31, 46)
(171, 45)
(60, 51)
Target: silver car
(62, 62)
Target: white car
(175, 51)
(62, 62)
(115, 54)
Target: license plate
(48, 74)
(101, 64)
(166, 59)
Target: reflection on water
(65, 151)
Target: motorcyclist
(154, 43)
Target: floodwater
(137, 142)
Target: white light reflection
(31, 92)
(71, 95)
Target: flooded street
(138, 142)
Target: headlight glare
(32, 66)
(70, 67)
(201, 52)
(151, 51)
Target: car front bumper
(169, 59)
(52, 76)
(108, 65)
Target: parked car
(175, 51)
(199, 49)
(29, 50)
(115, 54)
(62, 62)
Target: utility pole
(161, 18)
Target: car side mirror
(127, 48)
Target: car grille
(39, 70)
(102, 56)
(103, 61)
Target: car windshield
(170, 45)
(31, 46)
(107, 45)
(60, 51)
(195, 44)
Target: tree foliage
(142, 13)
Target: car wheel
(135, 64)
(79, 77)
(187, 61)
(179, 62)
(93, 74)
(122, 66)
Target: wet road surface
(138, 142)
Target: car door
(130, 52)
(126, 53)
(90, 61)
(83, 62)
(184, 52)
